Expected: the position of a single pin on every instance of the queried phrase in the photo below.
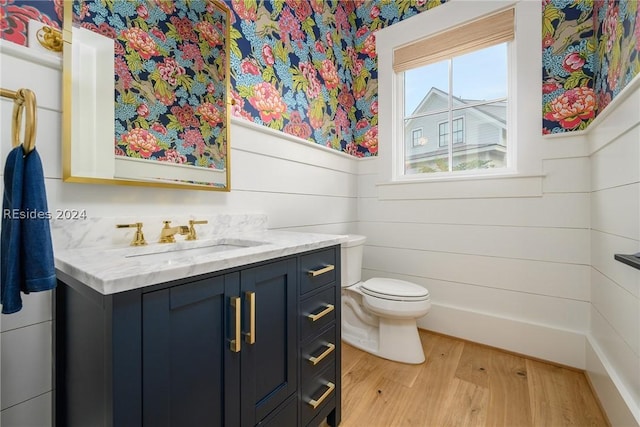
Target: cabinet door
(269, 358)
(190, 375)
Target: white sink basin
(181, 250)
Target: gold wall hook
(50, 38)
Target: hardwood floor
(463, 384)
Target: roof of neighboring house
(495, 110)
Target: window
(416, 138)
(455, 83)
(458, 132)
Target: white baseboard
(620, 408)
(539, 341)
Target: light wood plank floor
(463, 384)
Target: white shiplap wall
(613, 348)
(299, 185)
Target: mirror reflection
(145, 87)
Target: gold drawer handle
(315, 403)
(315, 360)
(323, 313)
(250, 337)
(328, 268)
(235, 344)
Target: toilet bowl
(379, 315)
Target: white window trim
(524, 126)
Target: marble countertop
(111, 269)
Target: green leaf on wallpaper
(374, 120)
(550, 14)
(205, 130)
(142, 24)
(142, 123)
(185, 81)
(269, 75)
(403, 6)
(277, 124)
(173, 33)
(307, 26)
(205, 48)
(280, 52)
(128, 97)
(174, 123)
(134, 62)
(577, 78)
(277, 7)
(245, 91)
(299, 81)
(234, 34)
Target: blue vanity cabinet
(189, 375)
(219, 349)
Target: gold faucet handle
(138, 237)
(192, 229)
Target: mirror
(146, 93)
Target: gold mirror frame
(67, 116)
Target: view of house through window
(455, 113)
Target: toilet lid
(394, 289)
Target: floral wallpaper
(170, 68)
(308, 67)
(590, 52)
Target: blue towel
(26, 249)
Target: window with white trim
(455, 86)
(416, 137)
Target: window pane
(427, 156)
(426, 85)
(481, 75)
(484, 131)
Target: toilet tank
(351, 262)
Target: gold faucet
(138, 237)
(167, 233)
(192, 229)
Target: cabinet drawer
(318, 354)
(317, 312)
(317, 269)
(316, 393)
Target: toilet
(379, 315)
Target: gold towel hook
(23, 99)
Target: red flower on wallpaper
(210, 113)
(267, 55)
(184, 27)
(301, 8)
(140, 41)
(170, 70)
(370, 141)
(209, 33)
(573, 62)
(329, 74)
(297, 127)
(249, 66)
(167, 6)
(141, 141)
(185, 115)
(245, 9)
(267, 100)
(572, 107)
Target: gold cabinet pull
(236, 343)
(315, 403)
(328, 268)
(315, 360)
(323, 313)
(250, 337)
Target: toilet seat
(394, 290)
